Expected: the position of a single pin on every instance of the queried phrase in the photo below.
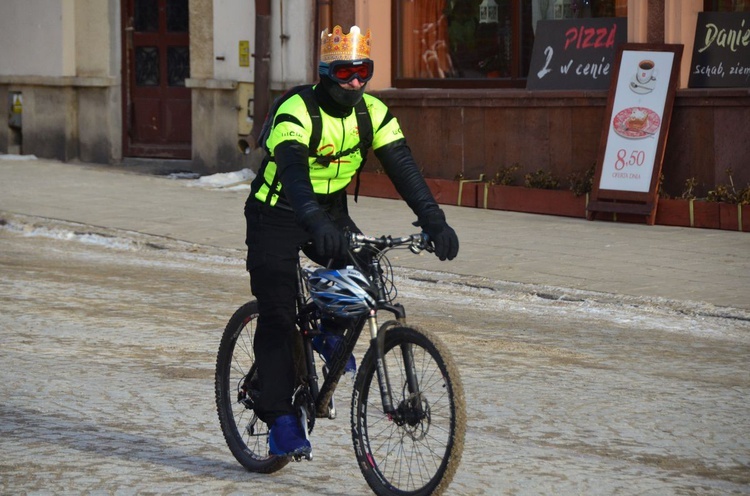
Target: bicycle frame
(308, 317)
(408, 413)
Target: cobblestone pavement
(108, 342)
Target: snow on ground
(125, 241)
(68, 235)
(237, 180)
(17, 157)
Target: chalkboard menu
(573, 54)
(721, 53)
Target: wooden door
(156, 62)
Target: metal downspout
(261, 91)
(323, 18)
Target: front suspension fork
(376, 343)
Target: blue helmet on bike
(342, 292)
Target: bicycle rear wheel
(418, 450)
(236, 388)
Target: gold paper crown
(340, 46)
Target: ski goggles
(344, 71)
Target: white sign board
(636, 120)
(634, 134)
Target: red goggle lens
(344, 73)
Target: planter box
(697, 213)
(734, 217)
(673, 212)
(472, 194)
(669, 212)
(374, 185)
(463, 193)
(706, 214)
(728, 217)
(445, 191)
(536, 201)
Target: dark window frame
(515, 81)
(713, 6)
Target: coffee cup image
(646, 71)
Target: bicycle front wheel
(417, 450)
(237, 389)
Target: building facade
(181, 82)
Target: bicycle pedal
(306, 456)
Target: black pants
(273, 243)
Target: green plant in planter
(727, 193)
(541, 179)
(660, 188)
(690, 184)
(505, 175)
(582, 182)
(721, 194)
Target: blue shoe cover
(326, 345)
(286, 437)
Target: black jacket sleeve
(294, 174)
(401, 168)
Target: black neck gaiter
(335, 100)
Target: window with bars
(160, 25)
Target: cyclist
(297, 197)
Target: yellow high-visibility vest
(337, 135)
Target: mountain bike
(408, 416)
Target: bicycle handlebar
(417, 242)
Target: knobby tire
(421, 456)
(233, 364)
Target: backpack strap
(317, 121)
(364, 123)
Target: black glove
(329, 241)
(442, 236)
